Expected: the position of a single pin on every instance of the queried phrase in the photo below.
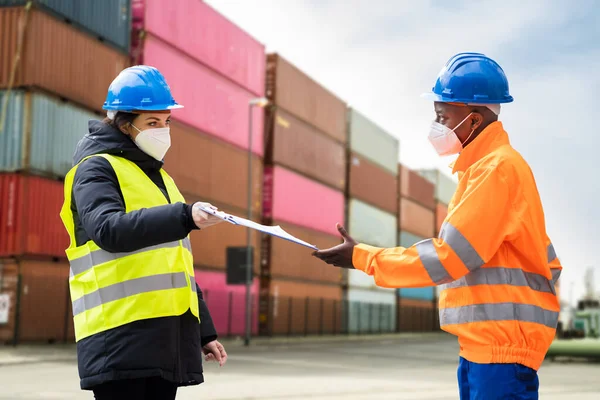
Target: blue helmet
(471, 78)
(139, 88)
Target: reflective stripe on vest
(112, 289)
(498, 312)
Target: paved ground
(374, 369)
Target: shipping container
(444, 185)
(415, 187)
(301, 147)
(427, 293)
(417, 315)
(40, 301)
(212, 169)
(206, 36)
(291, 198)
(209, 246)
(9, 283)
(227, 303)
(371, 225)
(284, 259)
(57, 57)
(212, 103)
(107, 20)
(441, 212)
(372, 142)
(29, 226)
(416, 219)
(297, 308)
(297, 93)
(372, 184)
(41, 133)
(370, 311)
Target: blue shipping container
(109, 20)
(406, 240)
(40, 133)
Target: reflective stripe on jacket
(112, 289)
(497, 266)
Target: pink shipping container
(212, 104)
(205, 35)
(292, 198)
(227, 303)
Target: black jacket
(169, 347)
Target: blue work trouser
(496, 381)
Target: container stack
(416, 306)
(304, 181)
(372, 195)
(214, 69)
(58, 60)
(444, 190)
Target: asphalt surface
(374, 369)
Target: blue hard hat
(139, 88)
(471, 78)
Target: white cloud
(380, 55)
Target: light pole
(259, 102)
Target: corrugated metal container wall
(360, 279)
(8, 286)
(372, 142)
(209, 246)
(208, 37)
(407, 239)
(444, 185)
(109, 20)
(294, 199)
(370, 225)
(441, 212)
(303, 308)
(227, 303)
(417, 316)
(212, 169)
(371, 311)
(43, 314)
(41, 133)
(417, 188)
(372, 184)
(28, 225)
(416, 219)
(297, 93)
(212, 103)
(288, 260)
(302, 148)
(56, 57)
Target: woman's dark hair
(121, 118)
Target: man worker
(493, 256)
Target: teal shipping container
(372, 142)
(445, 186)
(108, 20)
(40, 133)
(426, 293)
(371, 311)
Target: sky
(380, 55)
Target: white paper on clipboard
(270, 230)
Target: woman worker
(141, 324)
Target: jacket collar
(491, 138)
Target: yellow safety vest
(113, 289)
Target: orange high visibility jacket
(493, 257)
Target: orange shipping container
(296, 92)
(415, 187)
(416, 219)
(303, 308)
(209, 246)
(373, 184)
(285, 259)
(212, 170)
(56, 57)
(299, 146)
(441, 211)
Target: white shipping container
(445, 186)
(371, 310)
(370, 225)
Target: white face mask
(444, 139)
(154, 142)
